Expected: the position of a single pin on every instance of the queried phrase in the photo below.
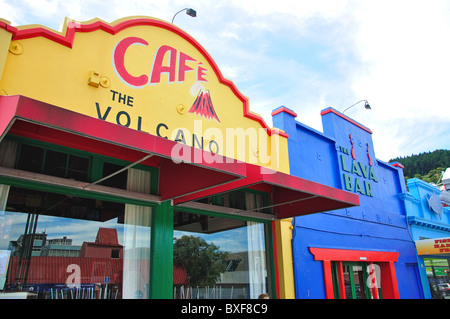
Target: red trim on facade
(389, 288)
(340, 270)
(384, 259)
(285, 110)
(8, 28)
(68, 39)
(328, 278)
(330, 110)
(398, 165)
(353, 255)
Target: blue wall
(379, 223)
(424, 222)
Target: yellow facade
(77, 70)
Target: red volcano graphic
(203, 106)
(368, 155)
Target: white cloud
(405, 74)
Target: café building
(131, 168)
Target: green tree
(427, 166)
(203, 261)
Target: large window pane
(219, 258)
(63, 246)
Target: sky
(310, 55)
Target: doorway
(359, 280)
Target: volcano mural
(203, 106)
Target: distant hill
(427, 166)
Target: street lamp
(189, 12)
(366, 105)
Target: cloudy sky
(310, 55)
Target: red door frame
(385, 259)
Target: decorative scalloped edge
(67, 36)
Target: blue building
(430, 227)
(355, 253)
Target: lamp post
(366, 105)
(189, 11)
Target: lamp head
(367, 106)
(191, 12)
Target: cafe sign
(147, 75)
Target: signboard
(358, 172)
(434, 246)
(144, 74)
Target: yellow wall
(5, 41)
(283, 231)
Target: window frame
(269, 229)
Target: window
(221, 258)
(31, 158)
(115, 253)
(438, 271)
(65, 245)
(107, 256)
(357, 281)
(118, 180)
(50, 162)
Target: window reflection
(219, 258)
(68, 247)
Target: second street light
(189, 11)
(366, 105)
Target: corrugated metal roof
(56, 270)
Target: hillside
(427, 166)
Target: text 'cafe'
(131, 168)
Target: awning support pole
(276, 205)
(119, 171)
